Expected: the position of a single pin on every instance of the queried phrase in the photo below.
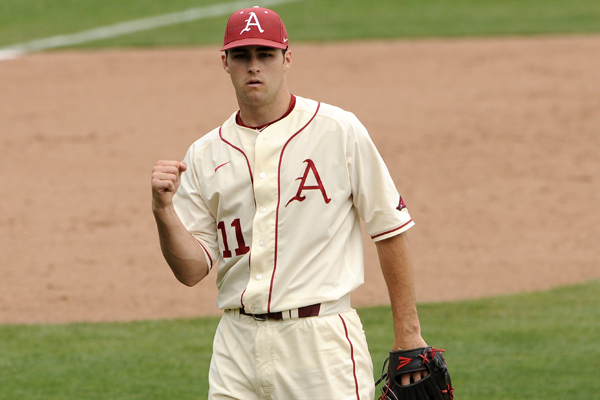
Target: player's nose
(253, 65)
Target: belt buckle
(260, 317)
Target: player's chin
(255, 96)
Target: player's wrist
(162, 209)
(409, 342)
(408, 335)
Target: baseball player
(273, 199)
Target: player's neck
(258, 115)
(260, 128)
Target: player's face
(257, 73)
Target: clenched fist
(166, 176)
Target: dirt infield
(493, 143)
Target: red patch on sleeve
(401, 205)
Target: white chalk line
(124, 28)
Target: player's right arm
(180, 249)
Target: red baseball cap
(255, 26)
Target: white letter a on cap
(249, 23)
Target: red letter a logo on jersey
(310, 167)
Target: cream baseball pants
(323, 357)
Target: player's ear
(287, 59)
(224, 62)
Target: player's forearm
(180, 249)
(397, 269)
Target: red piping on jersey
(393, 230)
(249, 263)
(279, 202)
(238, 149)
(207, 253)
(242, 298)
(352, 357)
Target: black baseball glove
(435, 386)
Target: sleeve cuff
(209, 260)
(393, 232)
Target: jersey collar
(238, 119)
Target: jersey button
(264, 209)
(260, 242)
(258, 277)
(263, 175)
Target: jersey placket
(267, 150)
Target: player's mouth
(254, 83)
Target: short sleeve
(193, 211)
(374, 193)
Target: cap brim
(254, 42)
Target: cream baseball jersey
(280, 209)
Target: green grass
(137, 360)
(25, 20)
(308, 20)
(541, 345)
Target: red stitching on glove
(450, 391)
(434, 351)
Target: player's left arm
(397, 268)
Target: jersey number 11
(242, 248)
